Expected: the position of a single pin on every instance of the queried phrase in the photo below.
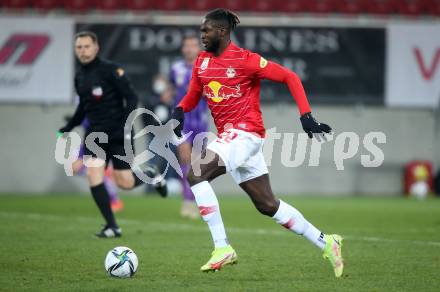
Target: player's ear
(224, 32)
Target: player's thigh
(206, 170)
(95, 170)
(184, 151)
(77, 166)
(124, 178)
(121, 169)
(253, 178)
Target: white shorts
(241, 153)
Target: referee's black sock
(102, 200)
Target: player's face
(210, 36)
(190, 49)
(86, 49)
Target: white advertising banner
(413, 65)
(36, 59)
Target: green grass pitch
(391, 244)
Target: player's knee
(268, 207)
(195, 179)
(95, 175)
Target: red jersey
(231, 84)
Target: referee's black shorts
(108, 151)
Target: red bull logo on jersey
(217, 92)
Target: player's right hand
(178, 115)
(313, 127)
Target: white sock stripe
(292, 219)
(210, 210)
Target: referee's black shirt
(106, 97)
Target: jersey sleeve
(194, 93)
(79, 115)
(125, 88)
(77, 118)
(260, 68)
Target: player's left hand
(61, 131)
(313, 127)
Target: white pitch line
(188, 227)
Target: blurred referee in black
(106, 99)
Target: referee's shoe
(109, 232)
(161, 186)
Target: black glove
(64, 130)
(179, 116)
(311, 126)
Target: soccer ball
(121, 262)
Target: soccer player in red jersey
(229, 78)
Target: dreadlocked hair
(224, 15)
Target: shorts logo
(226, 137)
(217, 92)
(204, 64)
(97, 92)
(230, 72)
(263, 62)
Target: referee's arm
(76, 120)
(126, 90)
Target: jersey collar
(92, 64)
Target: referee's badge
(204, 64)
(120, 72)
(97, 92)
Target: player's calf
(127, 179)
(267, 207)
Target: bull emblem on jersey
(217, 92)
